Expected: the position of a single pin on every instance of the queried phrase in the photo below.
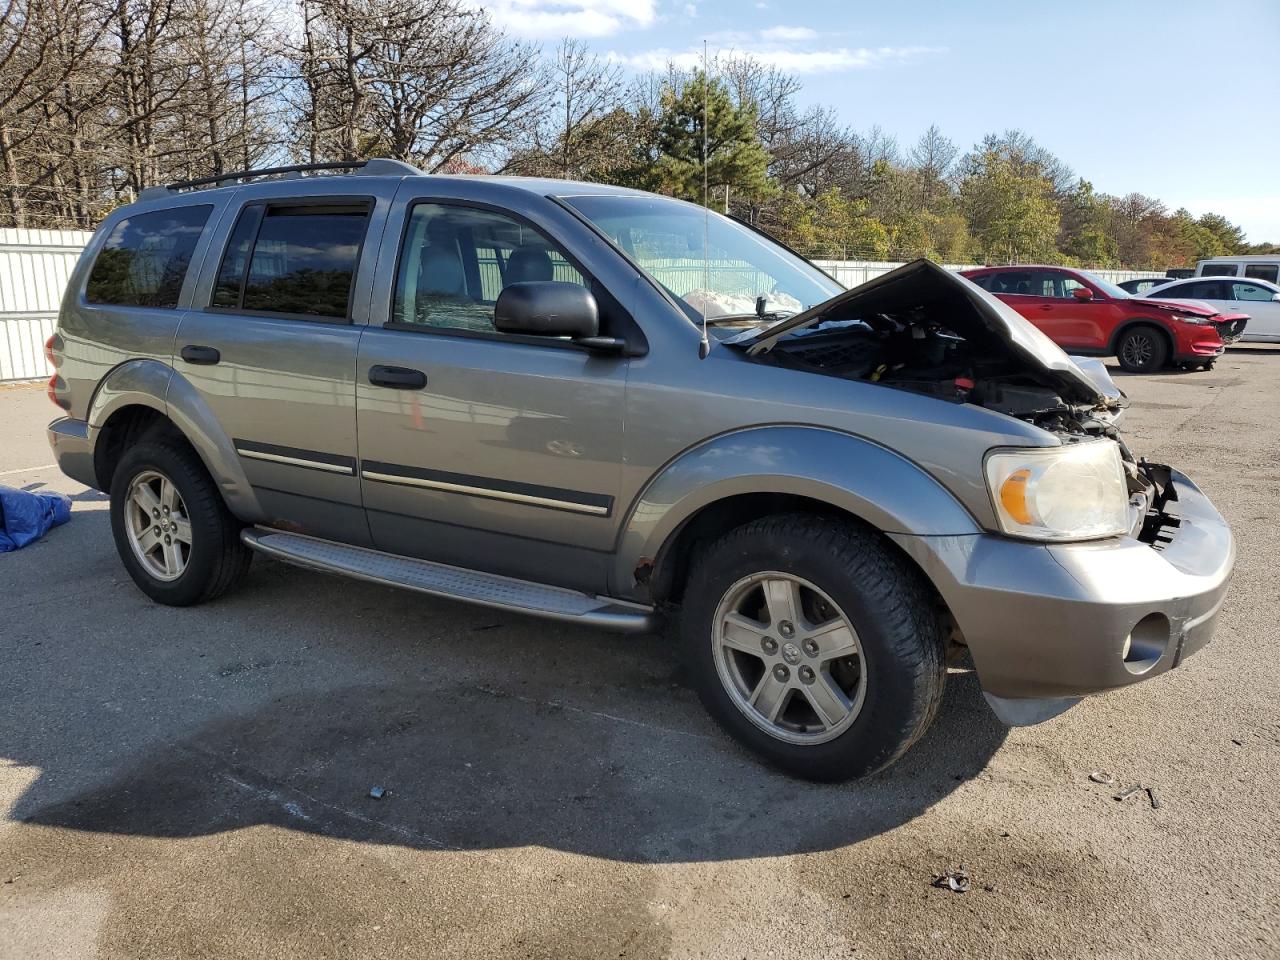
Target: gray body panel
(550, 463)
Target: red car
(1084, 314)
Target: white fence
(850, 273)
(35, 265)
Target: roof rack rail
(377, 167)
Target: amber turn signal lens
(1013, 495)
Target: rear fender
(150, 383)
(855, 475)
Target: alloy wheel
(789, 658)
(1138, 349)
(158, 526)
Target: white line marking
(44, 466)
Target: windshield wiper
(734, 318)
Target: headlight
(1199, 321)
(1073, 492)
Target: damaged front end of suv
(1130, 561)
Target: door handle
(1046, 306)
(397, 378)
(205, 356)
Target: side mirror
(1275, 297)
(1082, 293)
(547, 308)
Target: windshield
(665, 238)
(1110, 289)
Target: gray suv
(611, 408)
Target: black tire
(885, 600)
(216, 559)
(1142, 349)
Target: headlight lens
(1073, 492)
(1199, 321)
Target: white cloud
(553, 19)
(794, 61)
(785, 34)
(690, 10)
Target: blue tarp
(26, 516)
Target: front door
(1259, 303)
(477, 448)
(1030, 292)
(273, 353)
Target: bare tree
(430, 81)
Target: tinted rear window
(1263, 271)
(305, 260)
(1218, 270)
(293, 259)
(145, 258)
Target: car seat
(528, 265)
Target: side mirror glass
(1082, 293)
(547, 308)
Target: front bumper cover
(1049, 623)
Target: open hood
(1177, 306)
(969, 311)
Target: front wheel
(814, 645)
(1142, 350)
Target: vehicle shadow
(485, 730)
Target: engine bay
(913, 351)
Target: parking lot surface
(196, 782)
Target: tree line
(102, 98)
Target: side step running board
(456, 583)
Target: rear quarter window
(144, 259)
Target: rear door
(478, 448)
(272, 345)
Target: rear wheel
(814, 645)
(1142, 349)
(172, 530)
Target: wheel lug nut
(769, 645)
(806, 674)
(168, 540)
(166, 511)
(781, 673)
(811, 647)
(787, 629)
(155, 512)
(156, 531)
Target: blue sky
(1175, 99)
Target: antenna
(704, 347)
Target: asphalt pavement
(196, 782)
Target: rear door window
(145, 258)
(1200, 290)
(1263, 271)
(1218, 270)
(1012, 281)
(293, 259)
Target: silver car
(617, 409)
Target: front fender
(150, 383)
(853, 474)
